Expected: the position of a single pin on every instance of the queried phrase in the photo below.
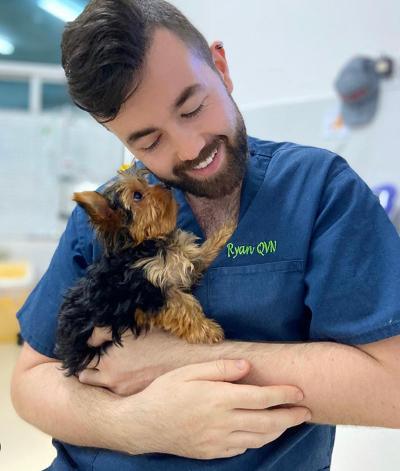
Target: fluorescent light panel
(6, 47)
(65, 10)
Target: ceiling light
(65, 10)
(6, 47)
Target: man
(306, 290)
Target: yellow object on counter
(9, 307)
(15, 283)
(13, 271)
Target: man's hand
(196, 412)
(133, 367)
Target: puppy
(144, 276)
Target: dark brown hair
(103, 50)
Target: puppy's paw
(207, 331)
(229, 228)
(224, 233)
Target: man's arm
(342, 384)
(62, 407)
(193, 411)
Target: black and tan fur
(153, 266)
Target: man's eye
(193, 113)
(152, 146)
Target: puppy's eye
(137, 196)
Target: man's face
(181, 121)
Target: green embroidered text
(263, 248)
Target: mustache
(204, 154)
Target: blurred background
(296, 66)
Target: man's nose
(188, 146)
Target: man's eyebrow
(185, 95)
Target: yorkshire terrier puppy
(144, 276)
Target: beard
(227, 178)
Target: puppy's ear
(104, 218)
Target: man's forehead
(164, 41)
(169, 58)
(151, 101)
(170, 74)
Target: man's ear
(221, 64)
(103, 218)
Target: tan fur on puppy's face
(129, 211)
(154, 215)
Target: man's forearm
(342, 384)
(70, 411)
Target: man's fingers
(95, 363)
(252, 440)
(261, 397)
(269, 421)
(216, 370)
(91, 376)
(230, 452)
(99, 336)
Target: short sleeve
(353, 269)
(38, 316)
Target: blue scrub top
(314, 257)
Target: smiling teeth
(206, 162)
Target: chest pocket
(259, 302)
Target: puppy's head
(129, 211)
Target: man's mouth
(210, 165)
(206, 162)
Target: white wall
(294, 48)
(286, 51)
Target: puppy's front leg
(183, 316)
(209, 250)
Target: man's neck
(211, 214)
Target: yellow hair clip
(124, 167)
